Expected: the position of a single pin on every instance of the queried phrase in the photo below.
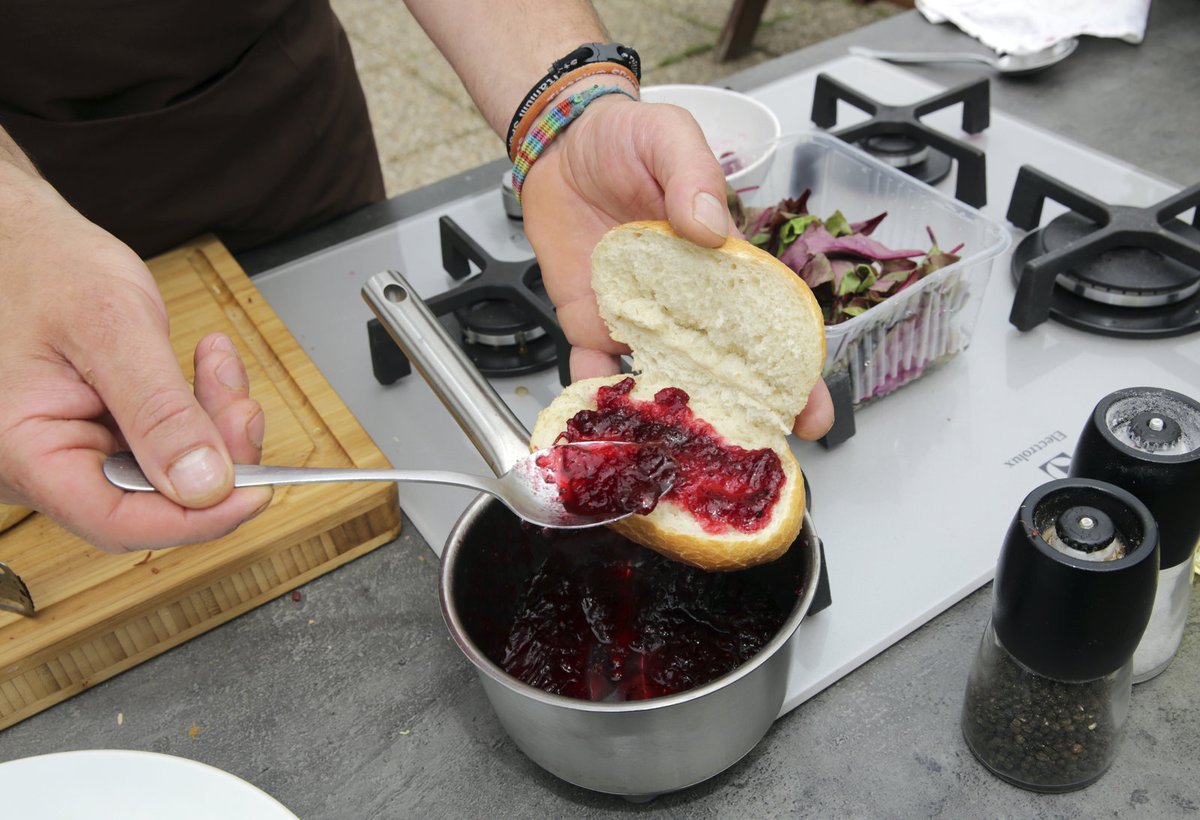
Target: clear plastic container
(900, 339)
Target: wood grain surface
(99, 614)
(10, 515)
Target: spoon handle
(923, 56)
(254, 475)
(122, 470)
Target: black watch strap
(589, 53)
(586, 54)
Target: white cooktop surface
(913, 508)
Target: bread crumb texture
(732, 324)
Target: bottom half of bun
(670, 528)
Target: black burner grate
(1110, 269)
(502, 316)
(896, 135)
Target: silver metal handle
(492, 427)
(256, 475)
(127, 475)
(924, 56)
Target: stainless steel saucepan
(638, 749)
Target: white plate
(110, 784)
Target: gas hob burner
(1109, 269)
(502, 317)
(904, 152)
(501, 341)
(896, 135)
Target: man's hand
(622, 161)
(87, 368)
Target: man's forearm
(500, 48)
(11, 154)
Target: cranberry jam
(609, 477)
(722, 485)
(589, 615)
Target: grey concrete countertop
(353, 702)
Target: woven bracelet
(586, 54)
(550, 125)
(520, 127)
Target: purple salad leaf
(817, 271)
(796, 256)
(888, 266)
(867, 226)
(820, 240)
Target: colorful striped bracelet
(550, 125)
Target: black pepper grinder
(1048, 695)
(1147, 441)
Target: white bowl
(732, 122)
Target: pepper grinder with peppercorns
(1048, 695)
(1147, 441)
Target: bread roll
(736, 330)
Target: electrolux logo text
(1056, 466)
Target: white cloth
(1025, 26)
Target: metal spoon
(1005, 63)
(530, 488)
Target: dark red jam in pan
(602, 619)
(609, 477)
(722, 485)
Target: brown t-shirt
(163, 120)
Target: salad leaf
(837, 225)
(820, 240)
(849, 272)
(762, 225)
(794, 228)
(856, 280)
(867, 226)
(817, 270)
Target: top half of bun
(733, 323)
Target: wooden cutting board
(100, 614)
